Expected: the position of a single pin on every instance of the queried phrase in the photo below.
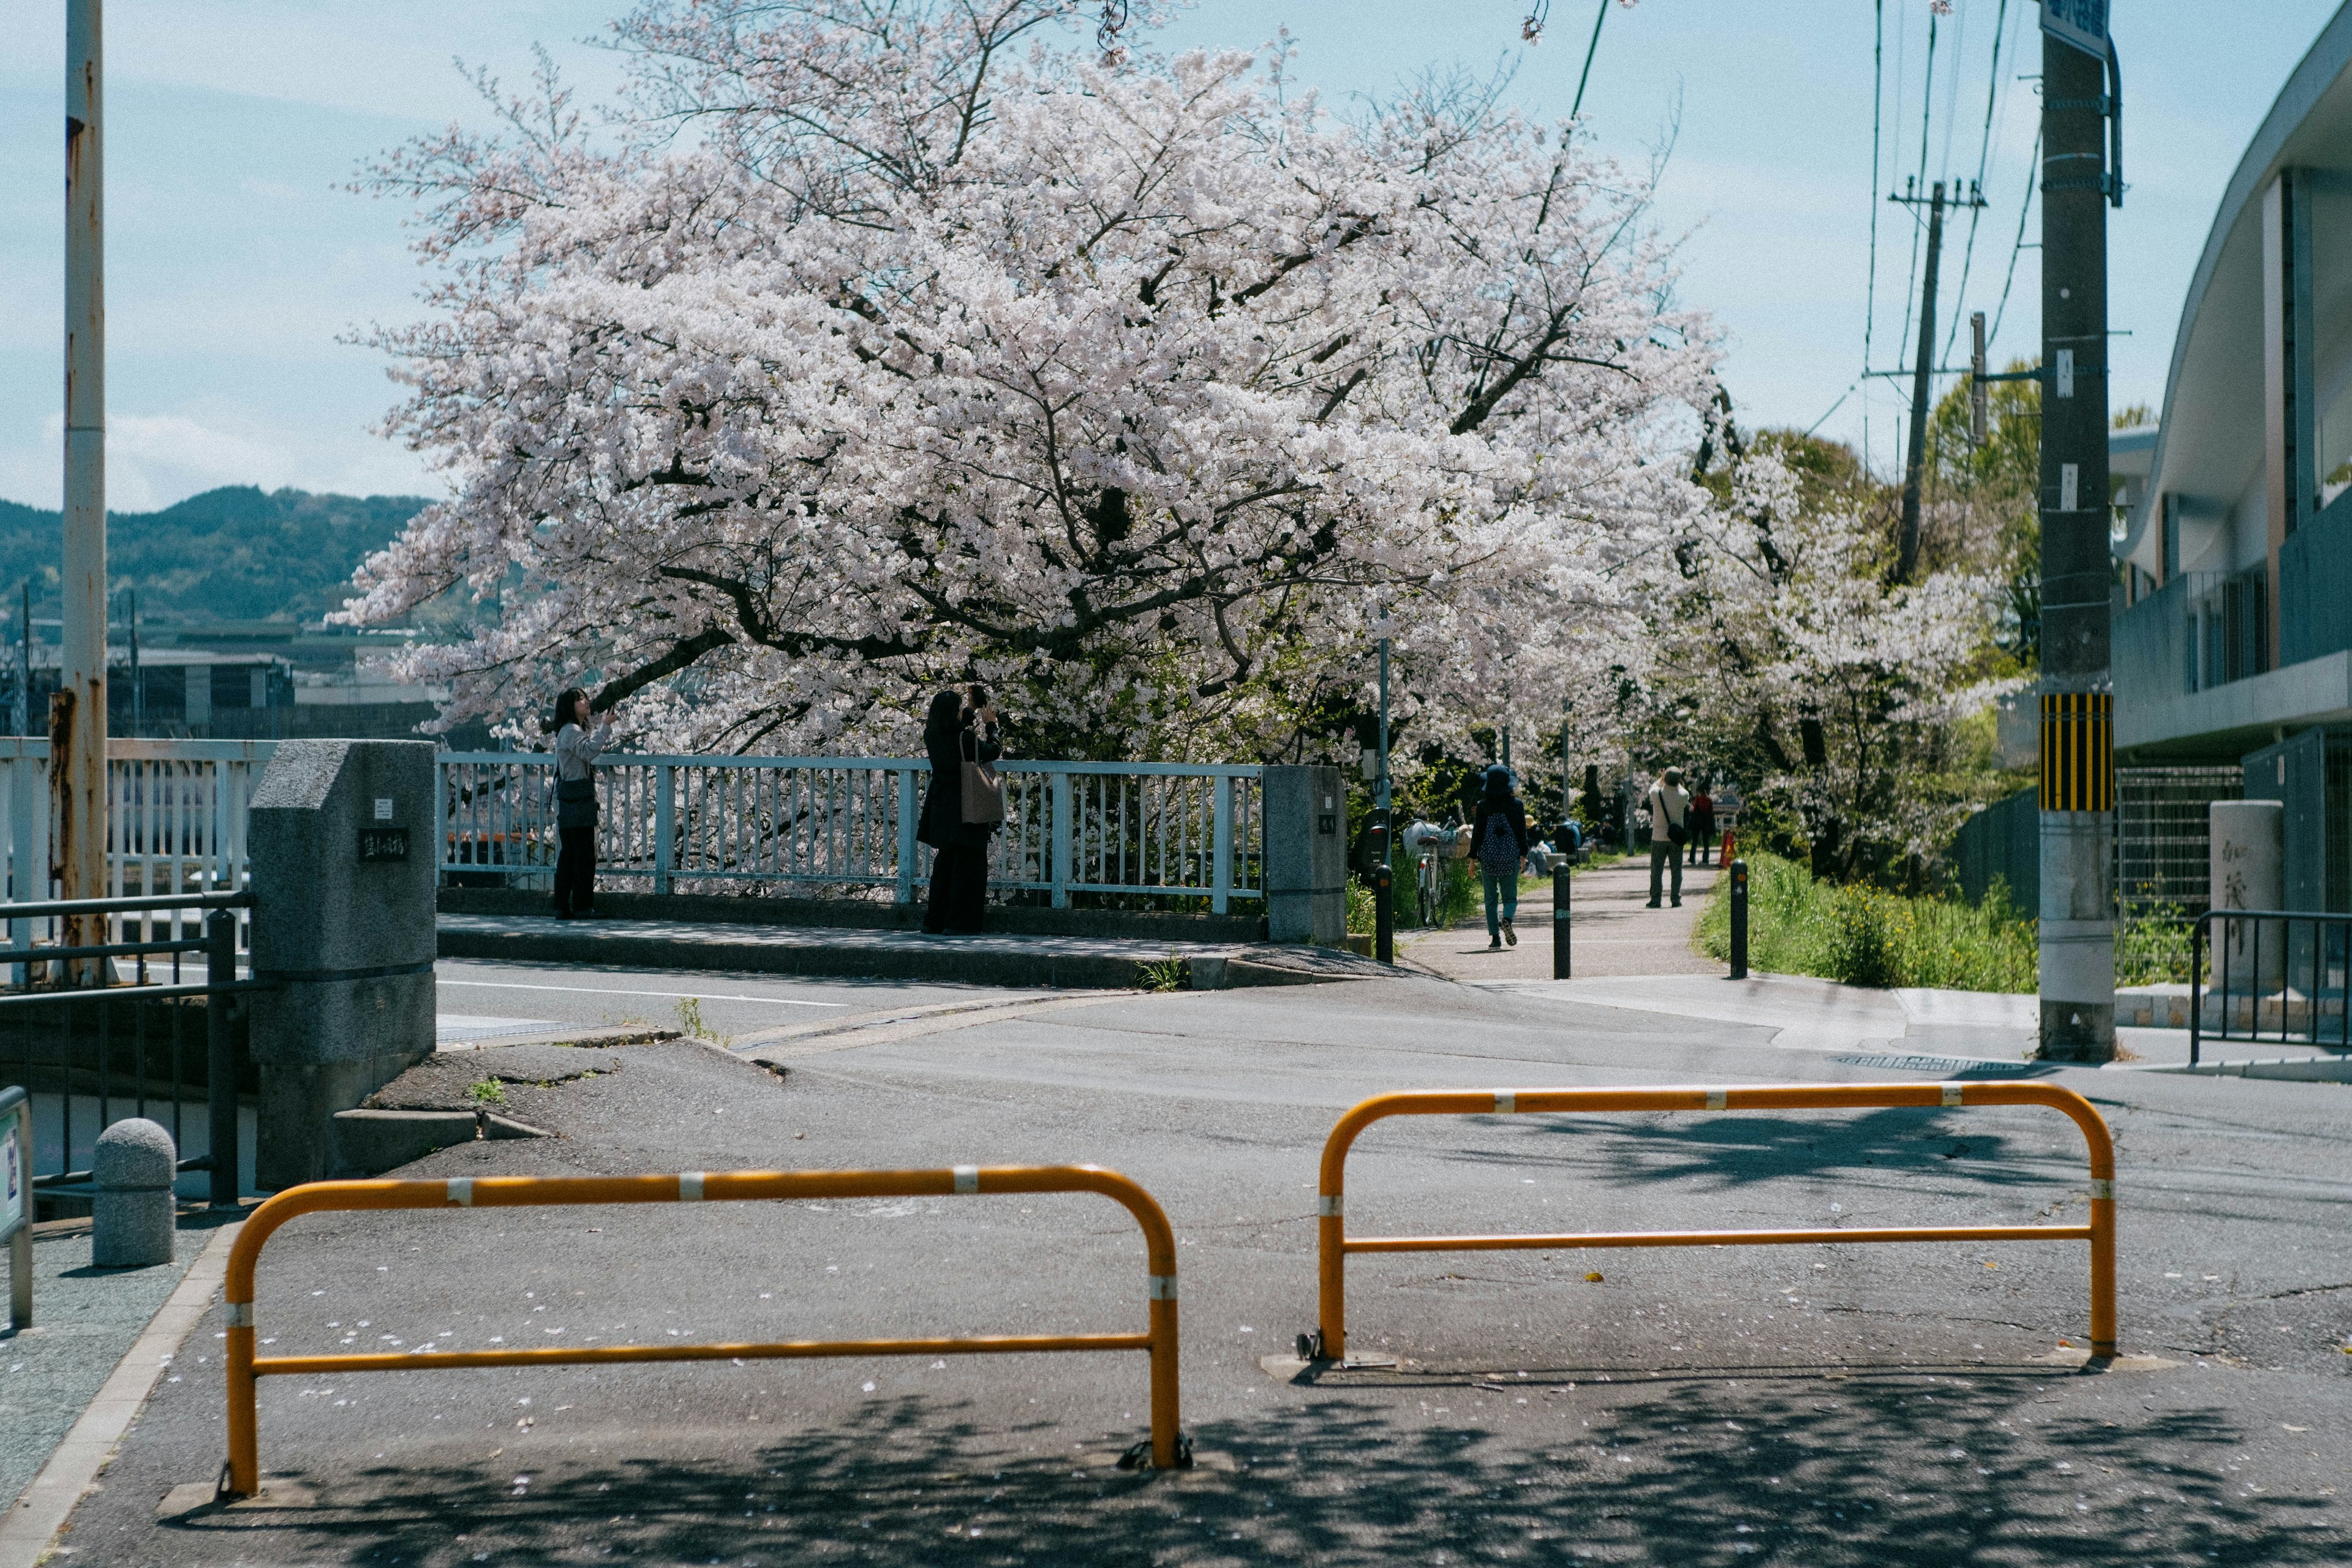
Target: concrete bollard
(131, 1220)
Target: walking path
(984, 960)
(1615, 931)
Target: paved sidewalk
(84, 1319)
(1614, 931)
(1105, 962)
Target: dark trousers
(1663, 853)
(575, 870)
(958, 889)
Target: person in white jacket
(1669, 831)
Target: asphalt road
(1848, 1403)
(728, 1003)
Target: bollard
(220, 1056)
(1739, 919)
(132, 1218)
(1559, 951)
(1383, 914)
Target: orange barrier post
(1334, 1244)
(1168, 1448)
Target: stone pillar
(340, 843)
(2248, 870)
(131, 1220)
(1305, 825)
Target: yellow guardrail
(1334, 1244)
(1168, 1447)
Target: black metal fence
(2277, 974)
(91, 1048)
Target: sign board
(380, 844)
(12, 1212)
(383, 808)
(2082, 23)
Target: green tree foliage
(237, 554)
(1983, 510)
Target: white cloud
(156, 459)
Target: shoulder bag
(983, 791)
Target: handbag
(983, 793)
(576, 802)
(1676, 833)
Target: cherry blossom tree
(869, 344)
(1783, 640)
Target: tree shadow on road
(1962, 1468)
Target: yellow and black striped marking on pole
(2078, 751)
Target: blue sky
(236, 262)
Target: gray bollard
(133, 1218)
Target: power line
(2033, 173)
(1984, 154)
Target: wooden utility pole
(78, 712)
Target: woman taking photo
(962, 808)
(575, 804)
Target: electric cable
(2033, 179)
(1993, 98)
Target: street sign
(2082, 23)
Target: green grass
(1798, 924)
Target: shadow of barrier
(1329, 1342)
(1167, 1447)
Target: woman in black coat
(959, 727)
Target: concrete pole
(1906, 543)
(77, 712)
(2077, 935)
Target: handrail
(1333, 1244)
(51, 908)
(916, 764)
(1167, 1447)
(2255, 991)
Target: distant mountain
(236, 553)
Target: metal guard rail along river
(2246, 980)
(1158, 830)
(1168, 1447)
(1330, 1339)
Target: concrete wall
(1306, 855)
(350, 942)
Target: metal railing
(2277, 973)
(1157, 829)
(64, 1039)
(176, 814)
(1166, 1448)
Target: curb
(2301, 1070)
(28, 1530)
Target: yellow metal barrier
(1168, 1447)
(1331, 1340)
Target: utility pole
(1923, 370)
(2078, 931)
(78, 712)
(1384, 874)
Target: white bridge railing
(1166, 829)
(176, 822)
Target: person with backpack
(1669, 831)
(1498, 843)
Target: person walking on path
(576, 747)
(961, 733)
(1499, 844)
(1669, 831)
(1702, 827)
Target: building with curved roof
(2236, 559)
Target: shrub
(1799, 925)
(1866, 938)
